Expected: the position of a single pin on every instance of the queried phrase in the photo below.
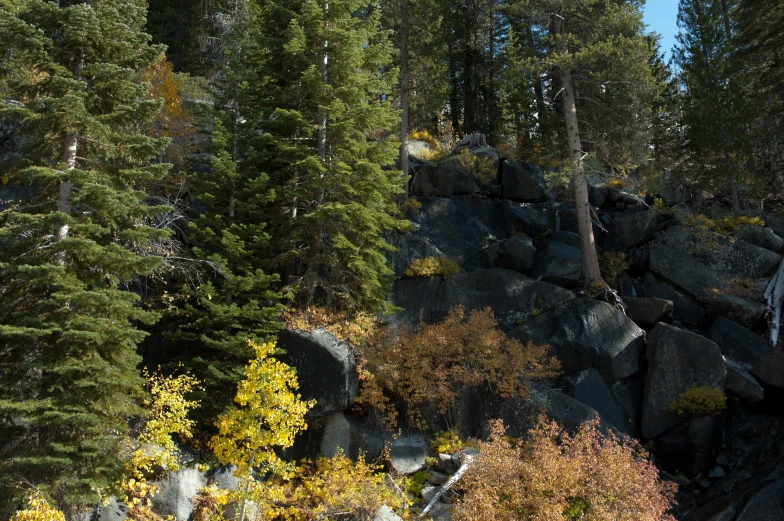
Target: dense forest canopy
(182, 180)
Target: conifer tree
(711, 114)
(68, 362)
(323, 120)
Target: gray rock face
(630, 229)
(765, 505)
(521, 182)
(558, 264)
(114, 511)
(745, 312)
(762, 237)
(598, 192)
(415, 297)
(408, 454)
(589, 388)
(462, 228)
(514, 298)
(647, 312)
(740, 382)
(386, 514)
(569, 238)
(774, 223)
(442, 181)
(704, 262)
(409, 248)
(677, 360)
(628, 393)
(746, 347)
(326, 369)
(177, 492)
(588, 333)
(675, 193)
(13, 195)
(687, 448)
(336, 437)
(516, 254)
(684, 308)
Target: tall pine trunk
(725, 11)
(404, 88)
(590, 260)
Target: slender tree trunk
(725, 11)
(71, 146)
(404, 88)
(590, 260)
(321, 135)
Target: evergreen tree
(68, 362)
(322, 118)
(710, 112)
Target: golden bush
(434, 363)
(701, 400)
(430, 266)
(355, 328)
(558, 476)
(38, 509)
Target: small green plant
(410, 205)
(415, 483)
(447, 442)
(701, 400)
(661, 207)
(430, 266)
(577, 509)
(612, 264)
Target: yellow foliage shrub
(726, 225)
(339, 488)
(617, 183)
(699, 401)
(436, 362)
(355, 328)
(558, 476)
(38, 509)
(430, 266)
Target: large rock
(745, 312)
(762, 237)
(628, 394)
(630, 228)
(176, 494)
(442, 181)
(588, 333)
(407, 452)
(326, 369)
(684, 307)
(522, 182)
(701, 262)
(589, 388)
(675, 193)
(558, 264)
(336, 436)
(113, 511)
(765, 505)
(462, 228)
(516, 254)
(415, 298)
(677, 360)
(746, 347)
(386, 514)
(687, 447)
(646, 312)
(740, 382)
(514, 298)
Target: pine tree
(73, 252)
(711, 115)
(323, 120)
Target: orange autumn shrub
(558, 476)
(436, 362)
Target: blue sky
(661, 16)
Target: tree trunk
(71, 146)
(404, 94)
(590, 261)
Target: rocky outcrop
(514, 298)
(176, 494)
(462, 228)
(687, 448)
(516, 254)
(762, 237)
(677, 360)
(646, 312)
(442, 181)
(523, 182)
(326, 369)
(631, 228)
(746, 347)
(587, 333)
(740, 382)
(767, 504)
(745, 312)
(559, 264)
(684, 308)
(589, 388)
